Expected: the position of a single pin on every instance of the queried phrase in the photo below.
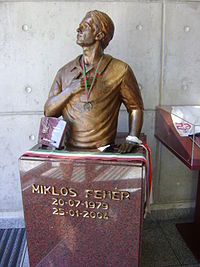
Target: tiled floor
(162, 245)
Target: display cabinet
(178, 128)
(178, 134)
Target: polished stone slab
(83, 212)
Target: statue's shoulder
(70, 65)
(119, 64)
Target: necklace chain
(88, 92)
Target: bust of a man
(89, 90)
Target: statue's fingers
(122, 148)
(129, 148)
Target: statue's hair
(105, 23)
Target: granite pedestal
(83, 211)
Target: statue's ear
(99, 36)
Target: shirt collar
(105, 61)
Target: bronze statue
(89, 90)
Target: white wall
(160, 40)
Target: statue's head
(98, 27)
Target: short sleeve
(130, 92)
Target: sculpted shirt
(115, 84)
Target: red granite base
(82, 212)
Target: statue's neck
(92, 54)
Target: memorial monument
(89, 90)
(83, 207)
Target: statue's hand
(78, 85)
(75, 87)
(131, 142)
(126, 147)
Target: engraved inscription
(103, 194)
(52, 190)
(93, 204)
(75, 203)
(89, 193)
(84, 214)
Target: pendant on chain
(88, 106)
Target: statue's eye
(87, 25)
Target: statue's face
(87, 32)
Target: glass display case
(178, 128)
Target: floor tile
(6, 223)
(156, 250)
(164, 265)
(178, 245)
(189, 265)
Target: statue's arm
(131, 97)
(135, 122)
(55, 104)
(58, 97)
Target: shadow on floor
(163, 246)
